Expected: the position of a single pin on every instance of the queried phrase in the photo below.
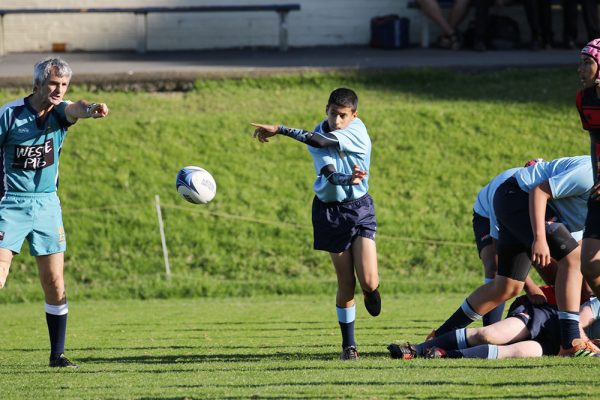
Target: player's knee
(346, 289)
(510, 292)
(481, 336)
(54, 287)
(506, 290)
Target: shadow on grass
(206, 358)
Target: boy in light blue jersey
(32, 131)
(356, 146)
(540, 211)
(343, 213)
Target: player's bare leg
(509, 330)
(485, 298)
(590, 263)
(526, 349)
(568, 282)
(489, 259)
(344, 270)
(364, 253)
(345, 307)
(5, 261)
(50, 269)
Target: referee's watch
(89, 108)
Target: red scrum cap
(592, 49)
(533, 162)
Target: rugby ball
(196, 185)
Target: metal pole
(283, 31)
(162, 238)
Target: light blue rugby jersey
(485, 199)
(570, 180)
(30, 150)
(354, 149)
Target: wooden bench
(141, 14)
(445, 4)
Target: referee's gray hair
(42, 70)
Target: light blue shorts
(36, 217)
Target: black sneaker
(61, 362)
(435, 352)
(372, 302)
(406, 352)
(349, 353)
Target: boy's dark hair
(343, 97)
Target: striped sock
(346, 317)
(56, 319)
(460, 319)
(486, 351)
(569, 328)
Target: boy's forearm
(538, 202)
(313, 139)
(336, 178)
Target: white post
(162, 238)
(1, 35)
(142, 32)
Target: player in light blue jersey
(540, 211)
(486, 232)
(485, 228)
(32, 131)
(343, 213)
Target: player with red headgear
(588, 105)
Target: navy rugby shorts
(481, 229)
(541, 321)
(592, 221)
(336, 225)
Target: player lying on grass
(343, 213)
(541, 213)
(530, 330)
(32, 131)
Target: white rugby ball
(196, 185)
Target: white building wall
(318, 23)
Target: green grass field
(261, 348)
(249, 310)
